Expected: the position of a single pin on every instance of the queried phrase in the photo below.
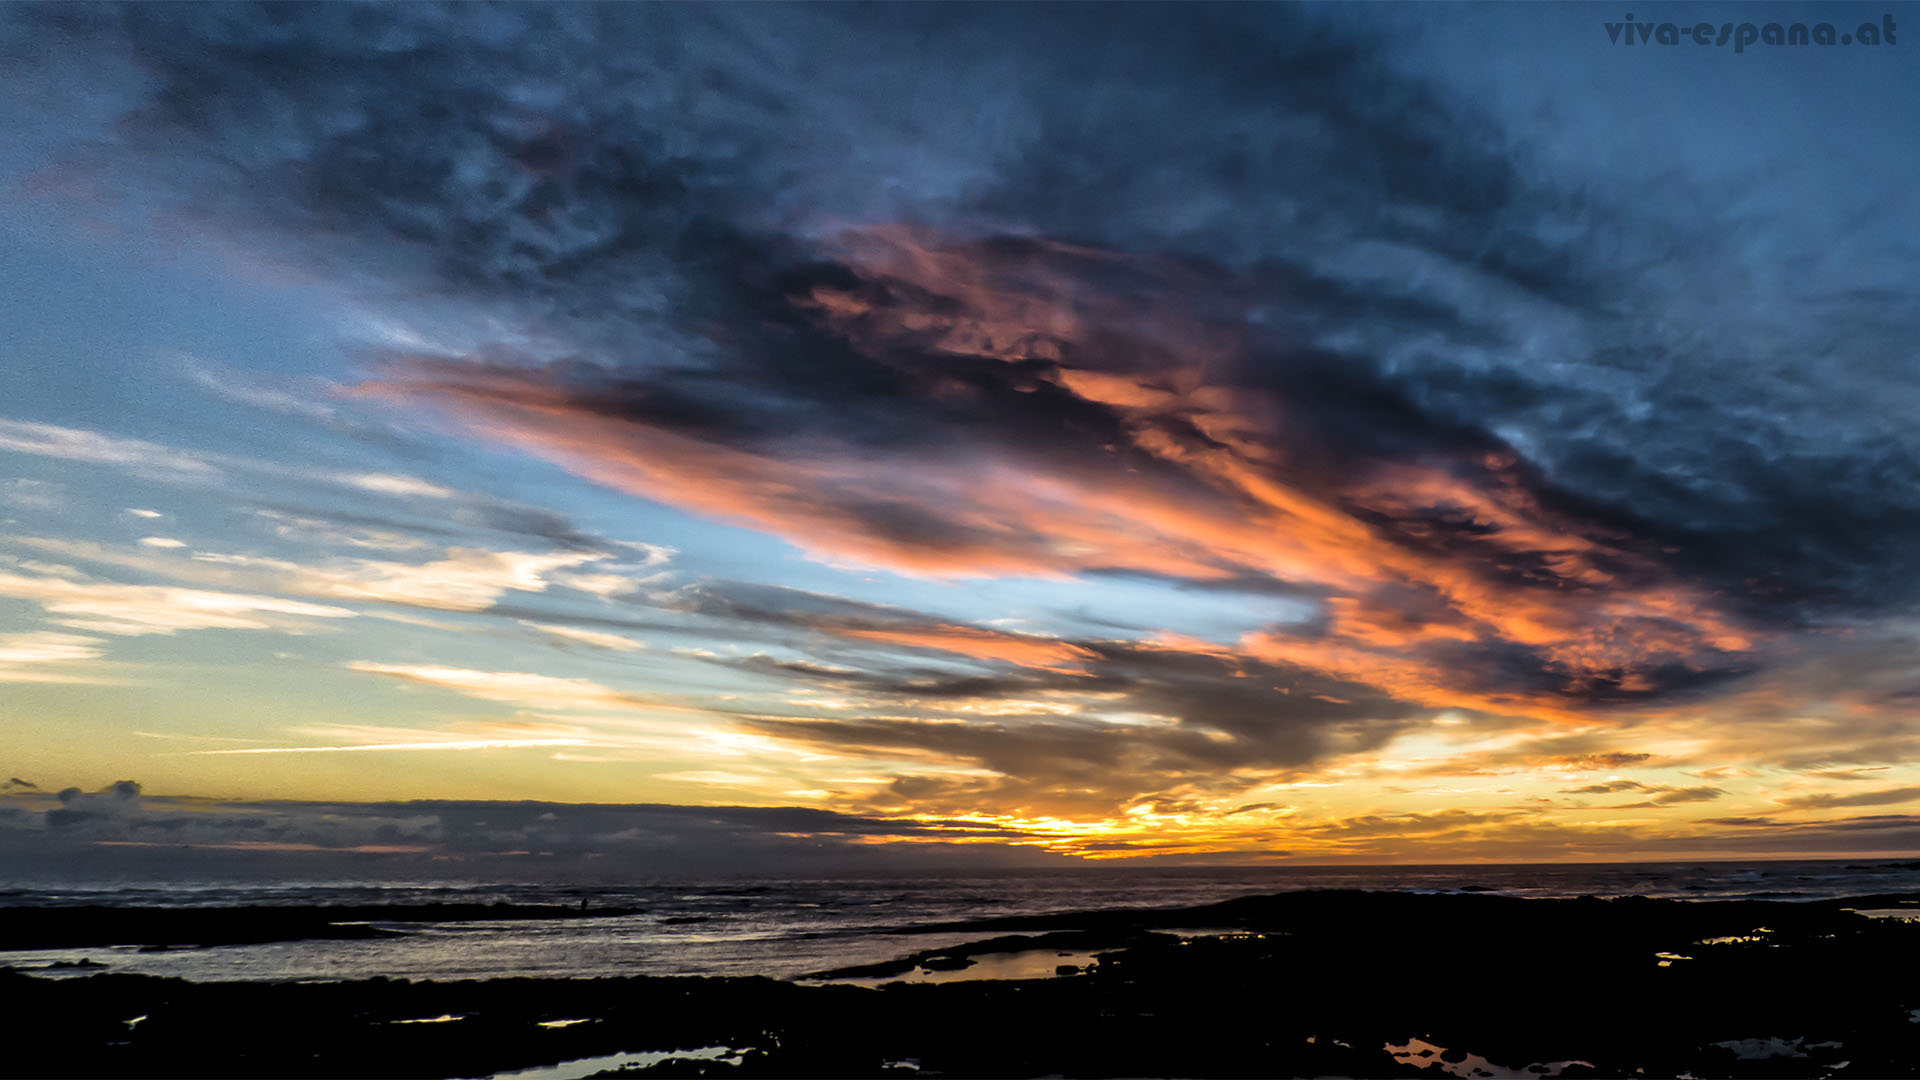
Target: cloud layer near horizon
(117, 831)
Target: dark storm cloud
(1212, 294)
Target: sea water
(788, 926)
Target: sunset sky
(652, 436)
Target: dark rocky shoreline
(1299, 984)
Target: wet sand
(1301, 984)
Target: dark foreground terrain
(1301, 984)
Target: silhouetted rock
(1318, 987)
(946, 963)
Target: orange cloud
(975, 642)
(1442, 572)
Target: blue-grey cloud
(119, 830)
(671, 215)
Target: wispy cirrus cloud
(465, 579)
(409, 746)
(95, 448)
(48, 657)
(516, 687)
(443, 509)
(595, 638)
(131, 610)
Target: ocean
(788, 926)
